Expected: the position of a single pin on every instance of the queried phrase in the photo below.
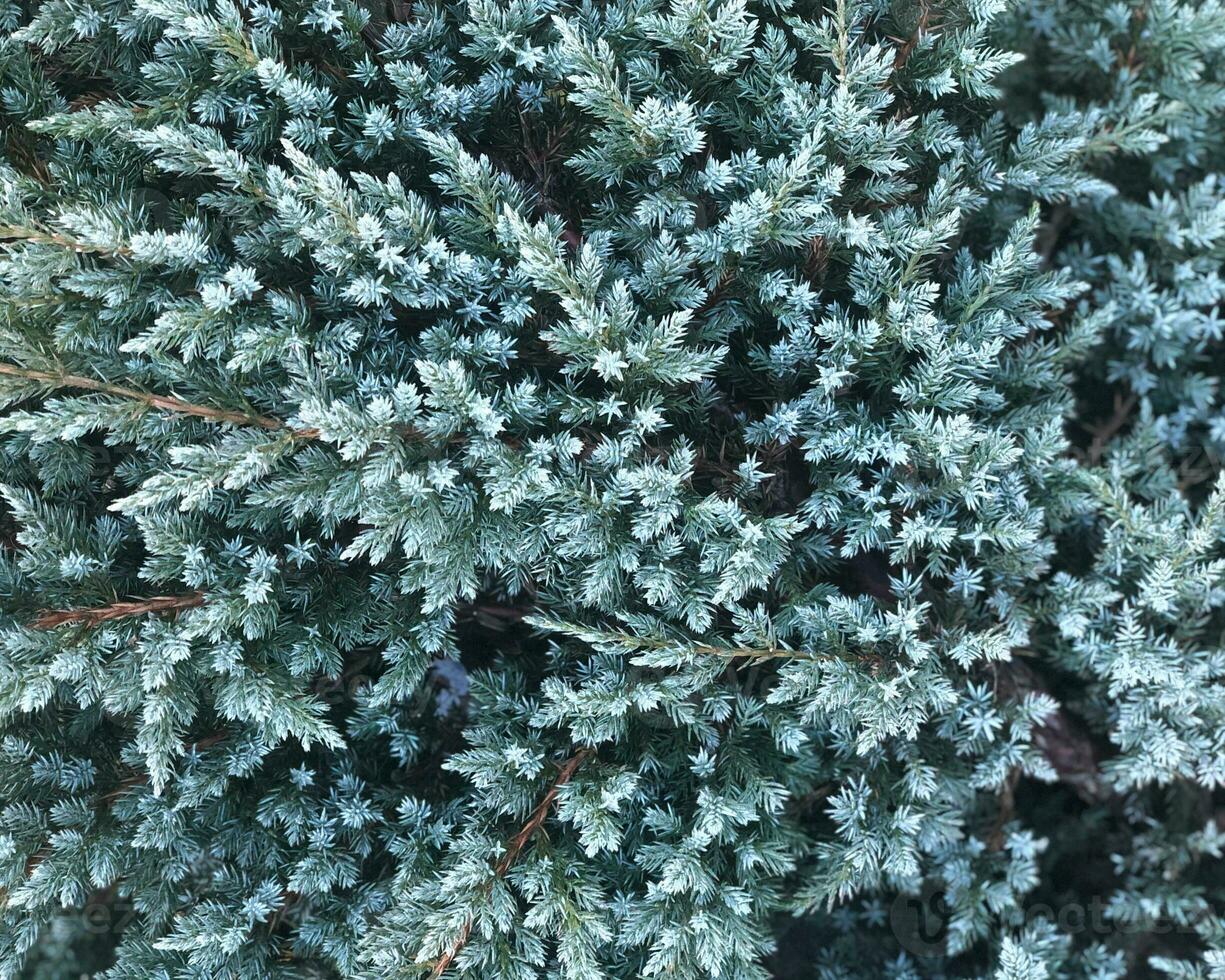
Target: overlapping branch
(513, 849)
(164, 402)
(39, 236)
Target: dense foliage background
(643, 488)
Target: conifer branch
(36, 236)
(163, 402)
(597, 636)
(534, 822)
(142, 778)
(92, 616)
(514, 848)
(745, 412)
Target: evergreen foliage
(657, 488)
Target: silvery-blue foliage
(693, 489)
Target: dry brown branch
(92, 616)
(513, 849)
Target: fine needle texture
(612, 490)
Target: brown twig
(814, 798)
(817, 260)
(1007, 811)
(1050, 230)
(1131, 60)
(372, 37)
(288, 898)
(754, 654)
(908, 46)
(164, 402)
(519, 841)
(596, 637)
(117, 610)
(1062, 738)
(1105, 432)
(131, 782)
(142, 778)
(1198, 467)
(514, 848)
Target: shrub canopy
(652, 488)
